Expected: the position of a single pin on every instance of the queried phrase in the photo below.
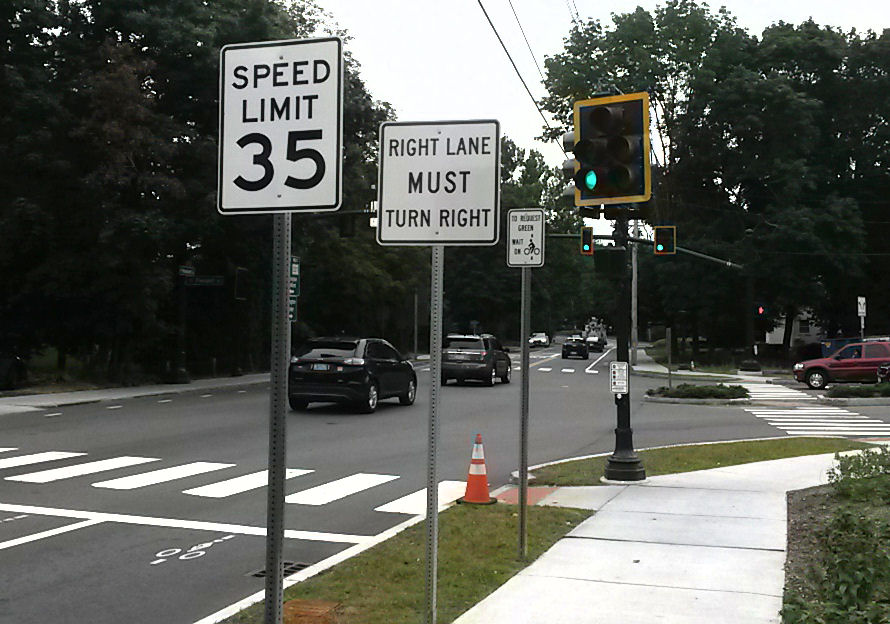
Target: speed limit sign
(280, 126)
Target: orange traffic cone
(477, 479)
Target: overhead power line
(522, 30)
(516, 69)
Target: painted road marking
(8, 448)
(415, 503)
(241, 484)
(775, 392)
(114, 407)
(567, 370)
(173, 523)
(161, 476)
(52, 415)
(545, 370)
(165, 401)
(55, 474)
(36, 458)
(338, 489)
(812, 420)
(50, 533)
(205, 396)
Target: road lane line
(172, 523)
(329, 492)
(55, 474)
(567, 370)
(161, 476)
(544, 370)
(50, 533)
(8, 448)
(165, 401)
(414, 504)
(36, 458)
(114, 407)
(599, 359)
(241, 484)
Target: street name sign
(525, 237)
(280, 126)
(439, 183)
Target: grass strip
(477, 553)
(700, 457)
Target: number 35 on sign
(280, 126)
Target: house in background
(804, 331)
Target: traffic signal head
(665, 240)
(586, 241)
(611, 147)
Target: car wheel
(370, 403)
(297, 404)
(493, 377)
(443, 381)
(817, 379)
(564, 356)
(410, 394)
(507, 373)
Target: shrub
(862, 476)
(690, 391)
(840, 391)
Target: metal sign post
(860, 305)
(280, 146)
(432, 488)
(525, 249)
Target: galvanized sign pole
(281, 261)
(432, 489)
(524, 332)
(525, 249)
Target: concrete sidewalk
(697, 547)
(33, 402)
(646, 366)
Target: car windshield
(331, 349)
(463, 343)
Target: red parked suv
(857, 361)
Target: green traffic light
(659, 247)
(590, 180)
(586, 247)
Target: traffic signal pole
(623, 464)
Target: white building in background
(805, 330)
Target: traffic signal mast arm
(646, 241)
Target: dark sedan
(575, 345)
(354, 371)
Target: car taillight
(354, 361)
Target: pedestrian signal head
(586, 241)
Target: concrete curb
(864, 401)
(685, 376)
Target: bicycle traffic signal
(611, 147)
(665, 240)
(586, 241)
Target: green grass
(477, 552)
(687, 458)
(658, 352)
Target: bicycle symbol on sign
(532, 249)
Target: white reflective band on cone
(477, 452)
(477, 469)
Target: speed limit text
(279, 75)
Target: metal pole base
(628, 468)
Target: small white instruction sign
(860, 305)
(618, 377)
(525, 237)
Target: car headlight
(798, 366)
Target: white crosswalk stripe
(773, 392)
(335, 490)
(36, 458)
(161, 476)
(811, 420)
(244, 483)
(56, 474)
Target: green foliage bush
(690, 391)
(863, 476)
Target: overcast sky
(440, 59)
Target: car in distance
(857, 361)
(480, 357)
(539, 339)
(596, 341)
(575, 345)
(354, 371)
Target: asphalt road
(183, 541)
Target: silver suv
(479, 357)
